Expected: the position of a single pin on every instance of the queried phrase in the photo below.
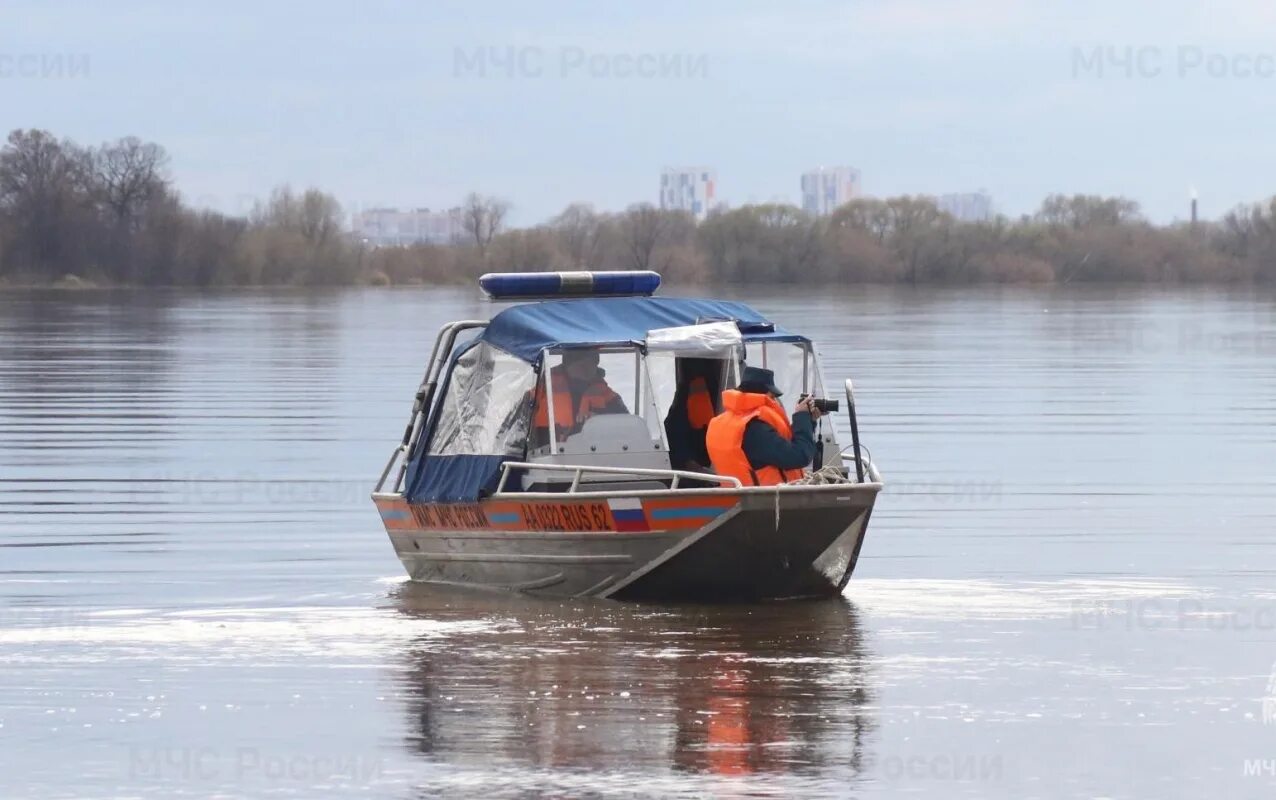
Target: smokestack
(1193, 206)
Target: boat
(493, 490)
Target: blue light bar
(542, 285)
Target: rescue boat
(488, 492)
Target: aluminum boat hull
(710, 545)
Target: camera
(823, 404)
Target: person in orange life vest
(580, 391)
(753, 439)
(689, 414)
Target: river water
(1068, 587)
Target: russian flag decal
(628, 514)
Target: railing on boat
(862, 463)
(579, 470)
(400, 451)
(424, 400)
(866, 465)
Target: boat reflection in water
(581, 696)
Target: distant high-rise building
(388, 227)
(967, 206)
(688, 189)
(826, 188)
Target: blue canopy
(525, 330)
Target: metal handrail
(580, 469)
(866, 460)
(424, 398)
(401, 450)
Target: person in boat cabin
(580, 390)
(754, 440)
(694, 405)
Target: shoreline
(75, 283)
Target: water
(1067, 590)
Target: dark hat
(756, 379)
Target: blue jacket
(765, 447)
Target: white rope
(823, 477)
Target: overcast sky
(417, 103)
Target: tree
(320, 217)
(531, 250)
(793, 238)
(865, 214)
(129, 174)
(1248, 233)
(295, 239)
(1083, 211)
(918, 230)
(44, 192)
(314, 215)
(483, 218)
(111, 212)
(767, 242)
(209, 248)
(853, 254)
(130, 190)
(580, 232)
(643, 228)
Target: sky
(415, 104)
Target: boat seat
(605, 440)
(614, 433)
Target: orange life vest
(725, 438)
(597, 396)
(699, 404)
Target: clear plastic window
(664, 369)
(793, 363)
(664, 380)
(583, 382)
(484, 409)
(797, 372)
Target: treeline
(110, 214)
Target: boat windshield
(483, 408)
(495, 404)
(794, 365)
(582, 383)
(797, 372)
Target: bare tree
(579, 230)
(865, 214)
(130, 174)
(482, 218)
(44, 193)
(643, 228)
(918, 229)
(1083, 211)
(111, 213)
(314, 214)
(768, 242)
(320, 217)
(282, 210)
